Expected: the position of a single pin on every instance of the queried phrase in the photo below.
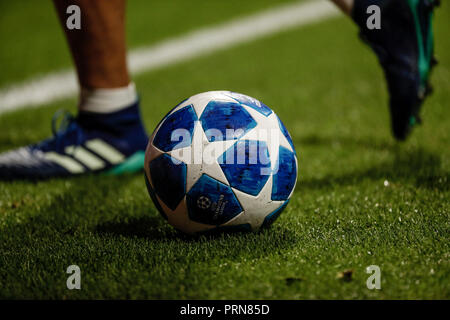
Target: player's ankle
(120, 123)
(107, 100)
(114, 109)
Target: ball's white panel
(256, 208)
(267, 130)
(193, 152)
(237, 220)
(201, 100)
(179, 218)
(150, 153)
(285, 143)
(296, 177)
(201, 157)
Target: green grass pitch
(361, 199)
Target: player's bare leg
(107, 134)
(404, 46)
(99, 52)
(98, 48)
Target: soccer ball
(220, 160)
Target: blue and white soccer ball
(220, 160)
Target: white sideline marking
(63, 84)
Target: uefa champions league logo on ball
(203, 202)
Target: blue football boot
(404, 46)
(89, 143)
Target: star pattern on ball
(199, 102)
(268, 130)
(258, 187)
(179, 218)
(202, 157)
(254, 205)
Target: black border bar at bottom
(229, 309)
